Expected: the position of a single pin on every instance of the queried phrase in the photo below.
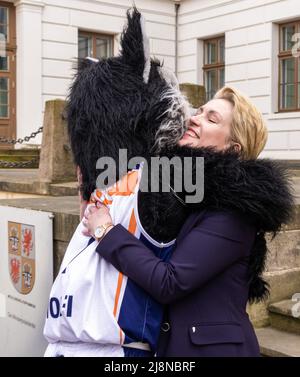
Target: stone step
(293, 166)
(283, 317)
(295, 173)
(20, 156)
(19, 152)
(276, 343)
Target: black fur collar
(259, 190)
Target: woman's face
(210, 126)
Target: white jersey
(94, 310)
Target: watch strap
(105, 227)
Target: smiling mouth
(192, 133)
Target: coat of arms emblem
(21, 256)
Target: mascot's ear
(169, 77)
(83, 63)
(135, 50)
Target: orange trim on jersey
(121, 336)
(125, 187)
(132, 223)
(131, 229)
(119, 285)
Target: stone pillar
(194, 93)
(29, 68)
(56, 160)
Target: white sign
(26, 276)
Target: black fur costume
(131, 102)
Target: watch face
(99, 232)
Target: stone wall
(64, 227)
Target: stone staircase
(282, 337)
(285, 315)
(277, 320)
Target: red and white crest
(21, 256)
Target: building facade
(257, 59)
(249, 44)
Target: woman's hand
(94, 216)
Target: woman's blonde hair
(248, 127)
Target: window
(289, 68)
(4, 80)
(214, 65)
(4, 95)
(95, 45)
(7, 71)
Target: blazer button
(165, 327)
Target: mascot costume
(131, 102)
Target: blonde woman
(218, 261)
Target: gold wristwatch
(100, 231)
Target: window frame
(218, 66)
(285, 54)
(94, 37)
(8, 125)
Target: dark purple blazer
(204, 285)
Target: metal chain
(20, 164)
(20, 141)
